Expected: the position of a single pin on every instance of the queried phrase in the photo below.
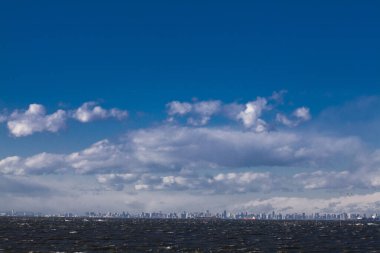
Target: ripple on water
(123, 235)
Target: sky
(191, 105)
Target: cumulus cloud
(205, 110)
(299, 115)
(180, 108)
(35, 119)
(302, 113)
(91, 111)
(22, 123)
(101, 156)
(200, 112)
(252, 113)
(231, 110)
(12, 165)
(37, 164)
(283, 119)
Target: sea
(20, 234)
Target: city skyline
(177, 106)
(204, 215)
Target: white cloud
(38, 164)
(252, 113)
(176, 158)
(174, 148)
(299, 115)
(91, 111)
(232, 110)
(11, 165)
(140, 187)
(248, 181)
(205, 160)
(180, 108)
(39, 193)
(45, 163)
(99, 157)
(170, 164)
(283, 119)
(35, 119)
(326, 180)
(244, 182)
(116, 181)
(302, 113)
(178, 147)
(200, 112)
(207, 108)
(222, 183)
(351, 204)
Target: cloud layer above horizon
(259, 151)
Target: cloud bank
(256, 149)
(173, 158)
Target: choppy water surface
(143, 235)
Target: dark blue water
(148, 235)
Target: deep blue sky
(141, 55)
